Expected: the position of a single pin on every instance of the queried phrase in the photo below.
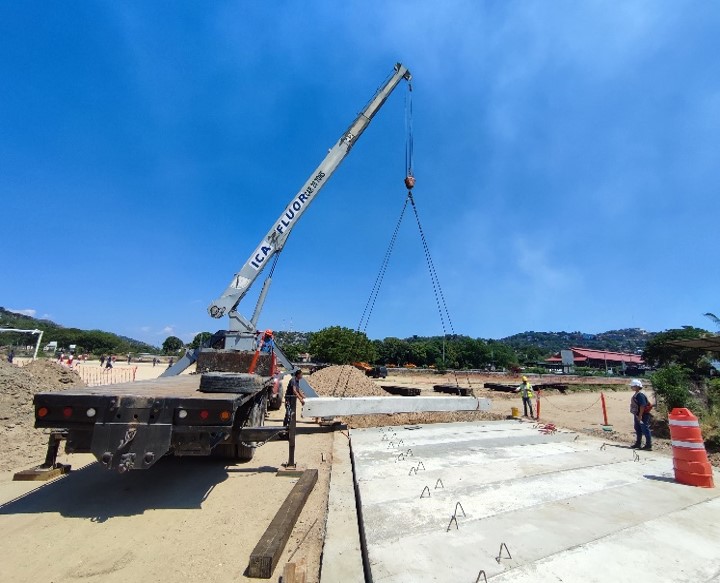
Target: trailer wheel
(275, 402)
(256, 418)
(225, 451)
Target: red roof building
(599, 358)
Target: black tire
(256, 418)
(230, 382)
(225, 451)
(275, 402)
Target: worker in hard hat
(267, 343)
(640, 409)
(526, 391)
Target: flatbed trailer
(132, 425)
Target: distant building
(601, 359)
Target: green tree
(395, 351)
(672, 386)
(339, 345)
(502, 355)
(713, 317)
(293, 351)
(658, 353)
(172, 344)
(199, 339)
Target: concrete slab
(567, 507)
(337, 406)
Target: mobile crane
(220, 411)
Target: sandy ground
(580, 411)
(189, 519)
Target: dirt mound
(343, 381)
(21, 445)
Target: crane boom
(276, 237)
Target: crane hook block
(409, 182)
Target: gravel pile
(343, 381)
(21, 445)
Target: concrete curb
(342, 556)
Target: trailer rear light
(225, 416)
(90, 412)
(42, 412)
(67, 411)
(182, 414)
(204, 414)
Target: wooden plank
(404, 391)
(266, 554)
(295, 572)
(288, 575)
(500, 387)
(453, 390)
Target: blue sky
(567, 157)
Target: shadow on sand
(98, 494)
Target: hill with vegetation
(457, 350)
(632, 340)
(86, 341)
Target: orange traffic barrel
(690, 460)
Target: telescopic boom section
(278, 234)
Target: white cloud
(168, 330)
(26, 312)
(539, 268)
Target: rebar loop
(439, 481)
(409, 452)
(500, 553)
(603, 446)
(461, 508)
(421, 464)
(482, 572)
(422, 494)
(400, 457)
(413, 469)
(636, 457)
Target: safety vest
(526, 390)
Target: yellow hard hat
(524, 378)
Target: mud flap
(124, 446)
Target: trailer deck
(177, 386)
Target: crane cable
(409, 182)
(370, 305)
(445, 320)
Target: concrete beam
(336, 406)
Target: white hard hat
(636, 383)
